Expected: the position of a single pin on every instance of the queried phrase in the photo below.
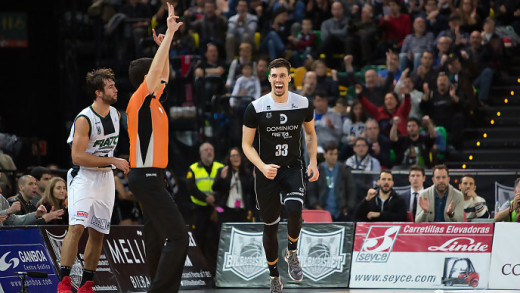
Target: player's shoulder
(298, 101)
(262, 104)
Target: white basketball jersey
(103, 133)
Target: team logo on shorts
(100, 223)
(245, 257)
(321, 254)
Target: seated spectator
(342, 108)
(384, 114)
(241, 28)
(413, 149)
(379, 145)
(459, 37)
(474, 205)
(415, 95)
(246, 85)
(275, 36)
(439, 147)
(195, 11)
(446, 107)
(461, 73)
(511, 211)
(334, 33)
(6, 163)
(507, 12)
(319, 11)
(470, 20)
(326, 121)
(42, 176)
(304, 44)
(396, 25)
(415, 44)
(443, 50)
(210, 66)
(484, 60)
(233, 188)
(365, 31)
(354, 124)
(235, 68)
(183, 42)
(416, 178)
(392, 65)
(261, 73)
(211, 27)
(329, 84)
(435, 21)
(54, 198)
(440, 202)
(335, 189)
(425, 72)
(309, 84)
(362, 160)
(22, 212)
(382, 204)
(138, 19)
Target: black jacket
(394, 209)
(221, 186)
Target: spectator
(484, 58)
(6, 163)
(138, 16)
(459, 38)
(396, 25)
(233, 187)
(326, 121)
(435, 21)
(507, 12)
(195, 11)
(335, 189)
(445, 106)
(235, 68)
(384, 115)
(246, 85)
(382, 204)
(342, 108)
(379, 145)
(42, 176)
(241, 28)
(366, 32)
(183, 42)
(319, 11)
(309, 84)
(329, 84)
(22, 212)
(415, 44)
(424, 72)
(470, 20)
(211, 27)
(261, 73)
(55, 198)
(462, 72)
(416, 178)
(354, 125)
(440, 202)
(444, 48)
(512, 211)
(201, 176)
(275, 37)
(334, 33)
(415, 96)
(210, 66)
(474, 205)
(362, 160)
(413, 149)
(304, 44)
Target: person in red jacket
(391, 108)
(396, 25)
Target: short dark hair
(385, 171)
(440, 167)
(467, 175)
(330, 146)
(279, 62)
(416, 168)
(320, 93)
(37, 172)
(137, 70)
(414, 119)
(360, 138)
(96, 79)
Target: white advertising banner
(421, 255)
(505, 259)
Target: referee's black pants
(165, 233)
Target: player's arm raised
(312, 148)
(79, 146)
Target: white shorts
(91, 198)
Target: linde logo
(378, 244)
(5, 265)
(461, 244)
(245, 257)
(321, 254)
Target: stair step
(483, 165)
(486, 155)
(491, 143)
(492, 132)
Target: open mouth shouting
(279, 88)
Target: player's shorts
(91, 197)
(271, 194)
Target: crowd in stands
(393, 84)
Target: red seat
(316, 216)
(409, 217)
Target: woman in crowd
(55, 198)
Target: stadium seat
(298, 77)
(316, 216)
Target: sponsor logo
(378, 244)
(282, 128)
(5, 265)
(460, 244)
(245, 257)
(268, 107)
(283, 118)
(321, 254)
(511, 269)
(268, 115)
(81, 214)
(98, 130)
(76, 271)
(301, 189)
(110, 141)
(100, 223)
(293, 106)
(151, 175)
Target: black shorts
(271, 194)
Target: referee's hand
(270, 171)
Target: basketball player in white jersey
(91, 189)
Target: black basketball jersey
(279, 127)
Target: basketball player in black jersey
(278, 118)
